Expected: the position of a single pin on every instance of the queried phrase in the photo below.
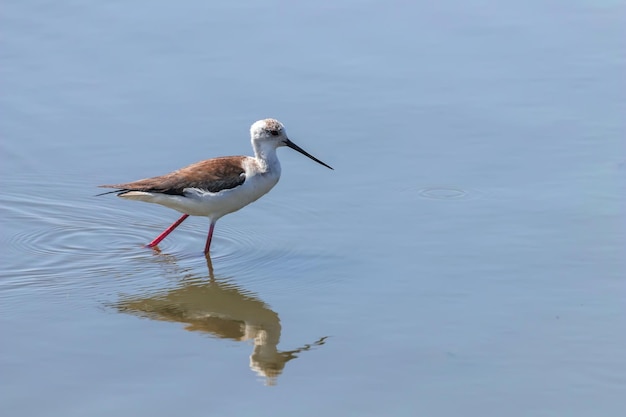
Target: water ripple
(449, 193)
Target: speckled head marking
(273, 125)
(267, 129)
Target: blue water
(465, 256)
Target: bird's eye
(274, 132)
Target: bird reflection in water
(222, 309)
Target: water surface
(466, 255)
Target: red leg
(209, 237)
(167, 231)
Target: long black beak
(305, 153)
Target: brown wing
(212, 175)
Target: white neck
(265, 154)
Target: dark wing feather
(212, 175)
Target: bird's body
(211, 188)
(219, 186)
